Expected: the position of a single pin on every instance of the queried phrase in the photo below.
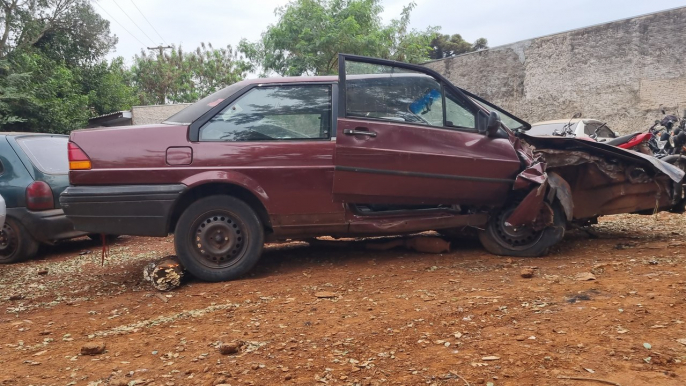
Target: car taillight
(78, 160)
(39, 196)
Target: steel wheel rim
(8, 240)
(219, 239)
(516, 238)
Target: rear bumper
(139, 210)
(46, 226)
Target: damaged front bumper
(591, 179)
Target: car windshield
(47, 153)
(197, 109)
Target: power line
(150, 24)
(115, 20)
(161, 48)
(134, 23)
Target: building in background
(622, 72)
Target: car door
(407, 136)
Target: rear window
(47, 154)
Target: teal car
(33, 172)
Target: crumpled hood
(599, 148)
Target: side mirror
(493, 124)
(616, 133)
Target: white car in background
(580, 126)
(3, 212)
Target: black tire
(219, 238)
(500, 239)
(16, 244)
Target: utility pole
(162, 98)
(161, 48)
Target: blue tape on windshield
(423, 104)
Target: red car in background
(384, 148)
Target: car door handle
(359, 132)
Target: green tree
(444, 46)
(180, 76)
(13, 93)
(54, 76)
(70, 30)
(310, 33)
(109, 86)
(56, 102)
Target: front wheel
(501, 238)
(219, 238)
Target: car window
(274, 113)
(393, 94)
(456, 112)
(47, 154)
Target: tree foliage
(54, 101)
(109, 86)
(69, 30)
(53, 76)
(180, 76)
(13, 93)
(444, 46)
(310, 33)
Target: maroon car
(384, 148)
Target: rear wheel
(501, 238)
(16, 244)
(219, 238)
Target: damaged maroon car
(384, 148)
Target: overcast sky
(222, 22)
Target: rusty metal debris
(422, 244)
(165, 274)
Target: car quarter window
(298, 112)
(392, 94)
(457, 113)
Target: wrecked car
(383, 148)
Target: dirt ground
(342, 315)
